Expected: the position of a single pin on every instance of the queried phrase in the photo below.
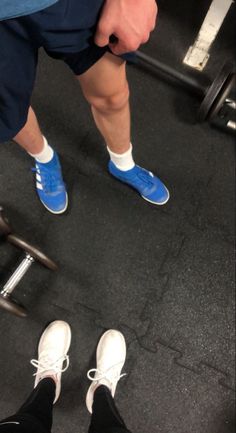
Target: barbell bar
(214, 94)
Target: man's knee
(110, 103)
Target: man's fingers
(145, 38)
(121, 47)
(103, 34)
(101, 39)
(131, 24)
(153, 21)
(128, 43)
(116, 48)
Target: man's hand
(130, 21)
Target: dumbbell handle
(17, 275)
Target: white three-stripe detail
(39, 185)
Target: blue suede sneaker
(50, 186)
(149, 186)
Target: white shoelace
(46, 364)
(105, 374)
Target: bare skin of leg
(106, 89)
(30, 137)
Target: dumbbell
(31, 255)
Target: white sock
(45, 155)
(123, 161)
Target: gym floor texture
(164, 276)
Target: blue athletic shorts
(65, 30)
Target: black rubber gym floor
(163, 276)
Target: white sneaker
(111, 354)
(52, 352)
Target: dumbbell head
(5, 228)
(9, 304)
(32, 251)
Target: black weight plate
(12, 306)
(214, 90)
(33, 251)
(222, 96)
(5, 229)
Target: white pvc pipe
(198, 54)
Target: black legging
(35, 416)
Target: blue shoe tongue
(132, 172)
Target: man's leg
(49, 182)
(30, 138)
(18, 64)
(106, 88)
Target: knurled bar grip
(17, 275)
